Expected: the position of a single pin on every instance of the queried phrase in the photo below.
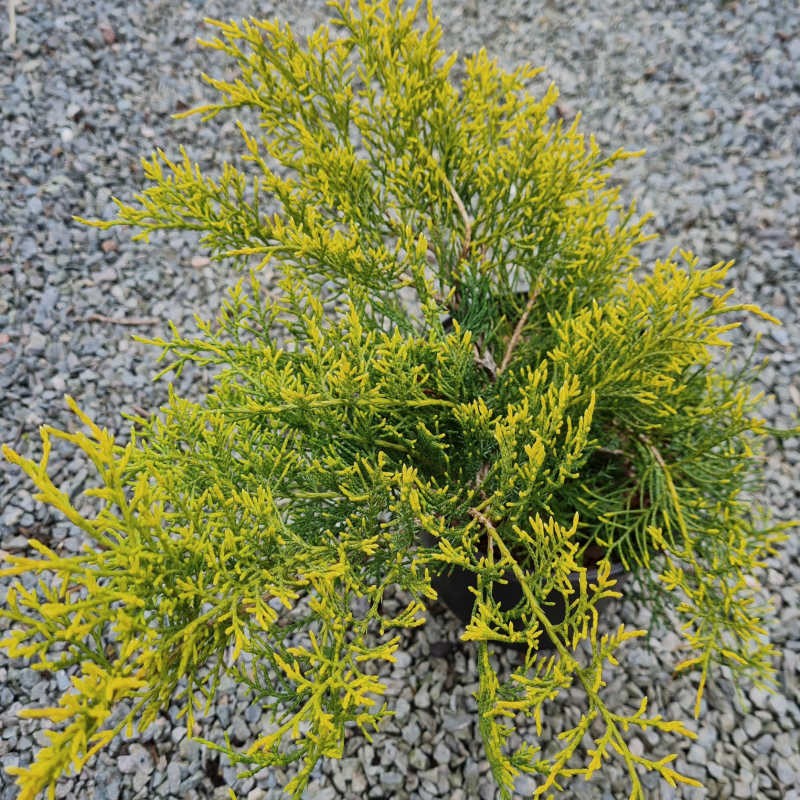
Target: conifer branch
(671, 489)
(506, 554)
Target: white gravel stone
(779, 704)
(403, 660)
(422, 699)
(137, 761)
(787, 774)
(635, 745)
(697, 755)
(783, 744)
(752, 727)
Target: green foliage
(457, 368)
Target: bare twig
(515, 337)
(480, 477)
(485, 359)
(610, 451)
(121, 320)
(491, 532)
(483, 519)
(468, 221)
(653, 451)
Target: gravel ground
(711, 90)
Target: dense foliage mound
(461, 364)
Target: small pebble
(422, 698)
(442, 754)
(696, 755)
(138, 760)
(752, 726)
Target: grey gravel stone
(786, 773)
(765, 743)
(635, 745)
(418, 759)
(759, 698)
(783, 745)
(138, 760)
(442, 754)
(189, 749)
(177, 733)
(411, 732)
(402, 660)
(458, 722)
(239, 731)
(697, 755)
(525, 785)
(391, 780)
(253, 716)
(779, 704)
(173, 777)
(402, 710)
(752, 727)
(422, 699)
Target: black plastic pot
(453, 589)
